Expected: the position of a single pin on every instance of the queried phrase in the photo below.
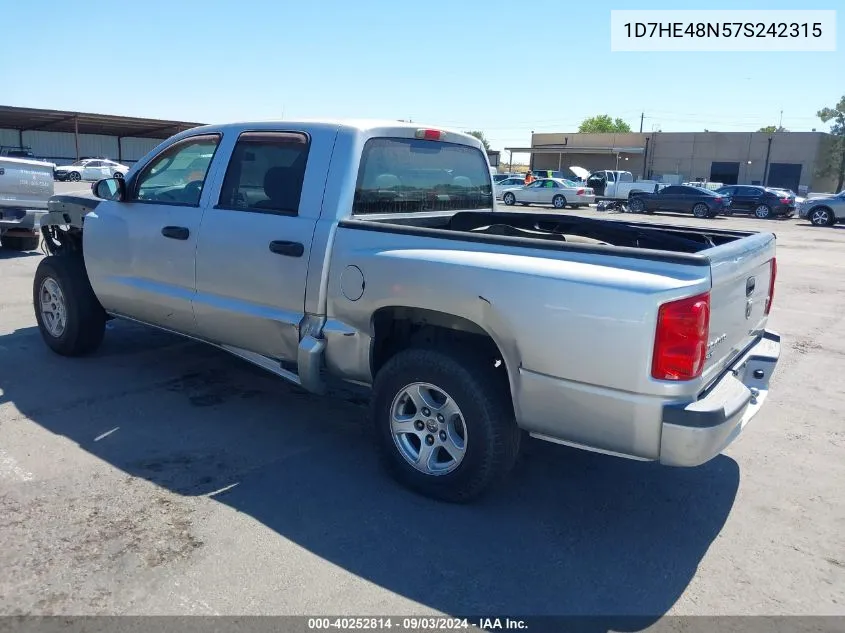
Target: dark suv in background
(763, 202)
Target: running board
(308, 362)
(309, 357)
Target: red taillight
(786, 200)
(773, 275)
(580, 192)
(718, 198)
(429, 135)
(680, 341)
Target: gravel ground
(160, 476)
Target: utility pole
(780, 121)
(766, 166)
(642, 116)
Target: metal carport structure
(560, 150)
(35, 119)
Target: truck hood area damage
(69, 209)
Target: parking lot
(160, 476)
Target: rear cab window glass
(177, 175)
(266, 172)
(400, 175)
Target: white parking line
(9, 468)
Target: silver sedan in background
(557, 192)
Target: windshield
(399, 175)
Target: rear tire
(491, 437)
(559, 202)
(701, 211)
(763, 212)
(71, 320)
(19, 242)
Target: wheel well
(397, 328)
(59, 240)
(821, 206)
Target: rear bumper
(697, 432)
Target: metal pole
(642, 116)
(766, 166)
(510, 161)
(559, 160)
(76, 135)
(119, 150)
(645, 158)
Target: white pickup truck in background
(25, 187)
(616, 185)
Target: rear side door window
(266, 173)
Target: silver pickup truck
(373, 252)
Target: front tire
(635, 205)
(821, 216)
(19, 242)
(71, 320)
(444, 423)
(509, 199)
(74, 176)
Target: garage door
(784, 175)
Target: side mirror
(110, 189)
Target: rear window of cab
(400, 175)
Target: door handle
(290, 249)
(175, 232)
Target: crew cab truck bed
(370, 252)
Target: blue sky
(504, 67)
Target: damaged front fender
(68, 210)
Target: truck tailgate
(741, 273)
(25, 184)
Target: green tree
(480, 136)
(603, 123)
(771, 129)
(836, 117)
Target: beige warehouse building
(783, 159)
